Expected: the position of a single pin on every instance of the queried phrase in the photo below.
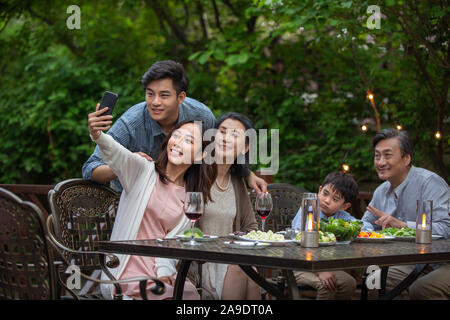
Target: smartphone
(109, 100)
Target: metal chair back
(286, 200)
(26, 263)
(84, 213)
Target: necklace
(226, 187)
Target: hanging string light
(345, 168)
(370, 95)
(364, 128)
(438, 135)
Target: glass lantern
(424, 216)
(310, 220)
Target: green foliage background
(302, 67)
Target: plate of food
(325, 238)
(246, 244)
(236, 234)
(344, 230)
(413, 238)
(405, 234)
(399, 232)
(198, 236)
(266, 237)
(373, 237)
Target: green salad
(197, 233)
(323, 237)
(403, 232)
(343, 230)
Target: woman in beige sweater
(230, 209)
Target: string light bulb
(399, 127)
(438, 135)
(345, 168)
(364, 128)
(370, 96)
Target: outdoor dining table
(288, 257)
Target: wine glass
(263, 206)
(193, 209)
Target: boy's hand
(98, 123)
(328, 280)
(385, 220)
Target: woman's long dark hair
(199, 177)
(239, 170)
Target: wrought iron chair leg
(118, 294)
(383, 280)
(181, 278)
(363, 288)
(143, 289)
(418, 269)
(271, 289)
(200, 279)
(293, 290)
(90, 286)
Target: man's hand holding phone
(99, 122)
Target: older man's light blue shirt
(400, 202)
(137, 131)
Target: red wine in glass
(193, 216)
(193, 208)
(263, 207)
(263, 213)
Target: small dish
(246, 244)
(413, 238)
(274, 243)
(326, 244)
(344, 242)
(205, 238)
(374, 240)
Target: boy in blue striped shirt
(336, 195)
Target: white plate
(321, 244)
(372, 240)
(233, 236)
(205, 238)
(331, 243)
(413, 238)
(344, 242)
(274, 243)
(246, 244)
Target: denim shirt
(340, 214)
(400, 202)
(137, 131)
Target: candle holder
(310, 220)
(424, 215)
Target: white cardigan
(137, 176)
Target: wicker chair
(83, 213)
(26, 263)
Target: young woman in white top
(151, 200)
